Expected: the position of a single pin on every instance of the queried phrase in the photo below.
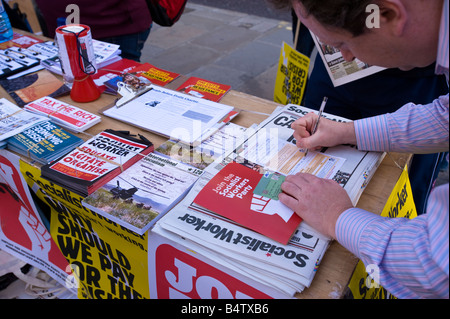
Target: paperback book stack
(44, 142)
(95, 162)
(66, 115)
(233, 216)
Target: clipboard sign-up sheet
(172, 114)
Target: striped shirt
(412, 255)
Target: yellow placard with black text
(399, 205)
(108, 261)
(291, 77)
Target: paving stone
(253, 58)
(185, 59)
(226, 38)
(221, 74)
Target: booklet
(21, 41)
(13, 61)
(44, 142)
(114, 70)
(143, 75)
(142, 194)
(97, 161)
(339, 70)
(250, 198)
(204, 89)
(105, 54)
(68, 116)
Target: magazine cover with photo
(140, 195)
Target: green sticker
(270, 185)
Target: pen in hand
(316, 125)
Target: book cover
(64, 114)
(145, 74)
(156, 75)
(31, 87)
(44, 142)
(96, 161)
(139, 196)
(250, 198)
(112, 71)
(204, 89)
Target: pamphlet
(68, 116)
(44, 142)
(139, 196)
(231, 193)
(96, 161)
(204, 89)
(31, 87)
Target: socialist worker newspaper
(288, 268)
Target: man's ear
(393, 16)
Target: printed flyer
(232, 193)
(204, 89)
(291, 76)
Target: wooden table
(338, 263)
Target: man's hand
(328, 134)
(319, 202)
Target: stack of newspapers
(268, 148)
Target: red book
(231, 194)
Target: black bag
(166, 12)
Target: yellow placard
(399, 205)
(291, 76)
(108, 260)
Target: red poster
(231, 194)
(180, 276)
(22, 232)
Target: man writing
(412, 255)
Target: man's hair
(349, 15)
